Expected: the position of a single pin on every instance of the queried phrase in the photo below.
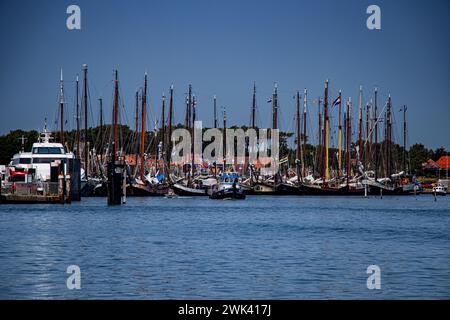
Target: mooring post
(124, 187)
(115, 181)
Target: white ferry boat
(42, 154)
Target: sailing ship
(145, 184)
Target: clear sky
(222, 47)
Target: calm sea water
(259, 248)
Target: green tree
(418, 155)
(11, 143)
(438, 153)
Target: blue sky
(222, 47)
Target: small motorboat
(440, 190)
(171, 195)
(228, 187)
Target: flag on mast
(337, 101)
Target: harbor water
(259, 248)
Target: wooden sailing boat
(325, 188)
(116, 164)
(92, 183)
(192, 184)
(142, 185)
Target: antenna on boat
(61, 104)
(23, 139)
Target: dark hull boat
(260, 188)
(397, 191)
(376, 188)
(316, 190)
(94, 187)
(183, 190)
(231, 193)
(100, 190)
(147, 190)
(288, 189)
(228, 187)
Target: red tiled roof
(430, 164)
(444, 162)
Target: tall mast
(349, 139)
(376, 133)
(100, 100)
(163, 126)
(371, 127)
(186, 116)
(367, 143)
(404, 137)
(360, 128)
(215, 111)
(254, 107)
(169, 140)
(275, 121)
(189, 107)
(136, 128)
(319, 147)
(305, 102)
(224, 140)
(86, 151)
(275, 107)
(143, 118)
(116, 115)
(61, 108)
(340, 135)
(326, 138)
(388, 138)
(193, 136)
(78, 154)
(157, 145)
(298, 153)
